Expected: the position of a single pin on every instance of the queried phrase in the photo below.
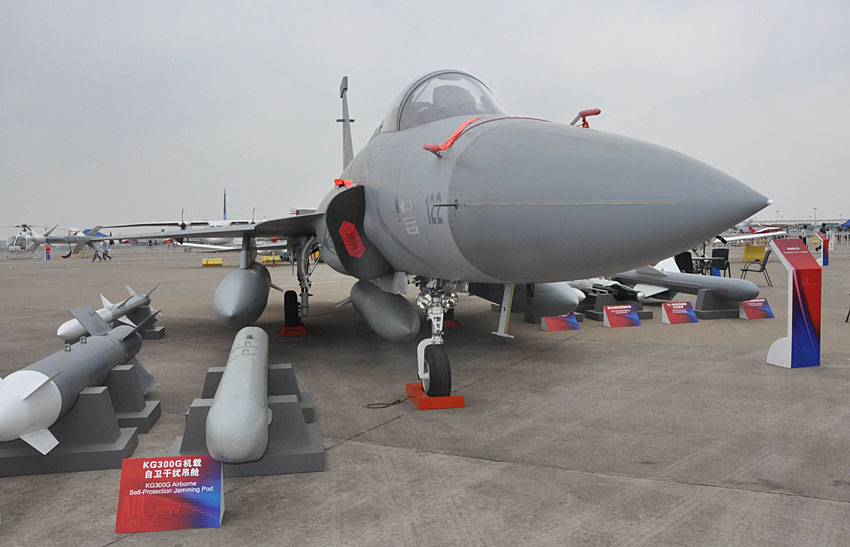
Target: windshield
(438, 96)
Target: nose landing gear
(434, 368)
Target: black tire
(290, 309)
(440, 371)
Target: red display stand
(424, 402)
(293, 331)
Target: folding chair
(758, 267)
(721, 261)
(685, 262)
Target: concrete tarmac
(657, 435)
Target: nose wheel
(437, 378)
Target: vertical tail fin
(347, 147)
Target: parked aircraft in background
(454, 195)
(28, 240)
(183, 225)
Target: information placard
(801, 347)
(757, 308)
(169, 494)
(559, 323)
(824, 248)
(621, 315)
(678, 313)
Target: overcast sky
(126, 111)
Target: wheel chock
(425, 402)
(451, 324)
(293, 331)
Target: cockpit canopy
(437, 96)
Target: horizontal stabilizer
(90, 320)
(42, 440)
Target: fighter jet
(451, 190)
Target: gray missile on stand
(73, 329)
(664, 285)
(34, 398)
(237, 426)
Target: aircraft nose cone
(541, 202)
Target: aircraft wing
(753, 236)
(230, 248)
(154, 224)
(294, 226)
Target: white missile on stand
(237, 427)
(33, 398)
(73, 329)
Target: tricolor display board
(169, 494)
(621, 315)
(559, 323)
(801, 348)
(824, 248)
(757, 308)
(678, 313)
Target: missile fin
(123, 319)
(142, 324)
(649, 270)
(649, 290)
(275, 287)
(90, 320)
(131, 291)
(46, 381)
(42, 440)
(146, 379)
(153, 289)
(106, 303)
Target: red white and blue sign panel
(169, 494)
(801, 348)
(678, 313)
(824, 249)
(621, 315)
(757, 308)
(559, 323)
